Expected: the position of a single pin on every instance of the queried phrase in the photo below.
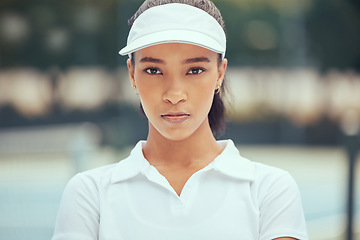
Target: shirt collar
(232, 164)
(229, 162)
(131, 166)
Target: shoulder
(100, 173)
(94, 176)
(232, 163)
(266, 174)
(88, 184)
(272, 184)
(112, 173)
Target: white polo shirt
(231, 198)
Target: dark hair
(216, 115)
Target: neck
(197, 150)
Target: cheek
(203, 97)
(145, 87)
(206, 88)
(149, 97)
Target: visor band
(175, 23)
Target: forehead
(176, 50)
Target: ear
(221, 71)
(131, 70)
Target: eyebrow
(152, 60)
(190, 60)
(197, 59)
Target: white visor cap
(175, 23)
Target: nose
(175, 91)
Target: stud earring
(217, 91)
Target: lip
(178, 117)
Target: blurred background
(66, 104)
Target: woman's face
(176, 84)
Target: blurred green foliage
(320, 33)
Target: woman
(180, 183)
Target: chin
(178, 133)
(176, 137)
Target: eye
(152, 71)
(195, 71)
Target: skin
(176, 84)
(285, 238)
(176, 91)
